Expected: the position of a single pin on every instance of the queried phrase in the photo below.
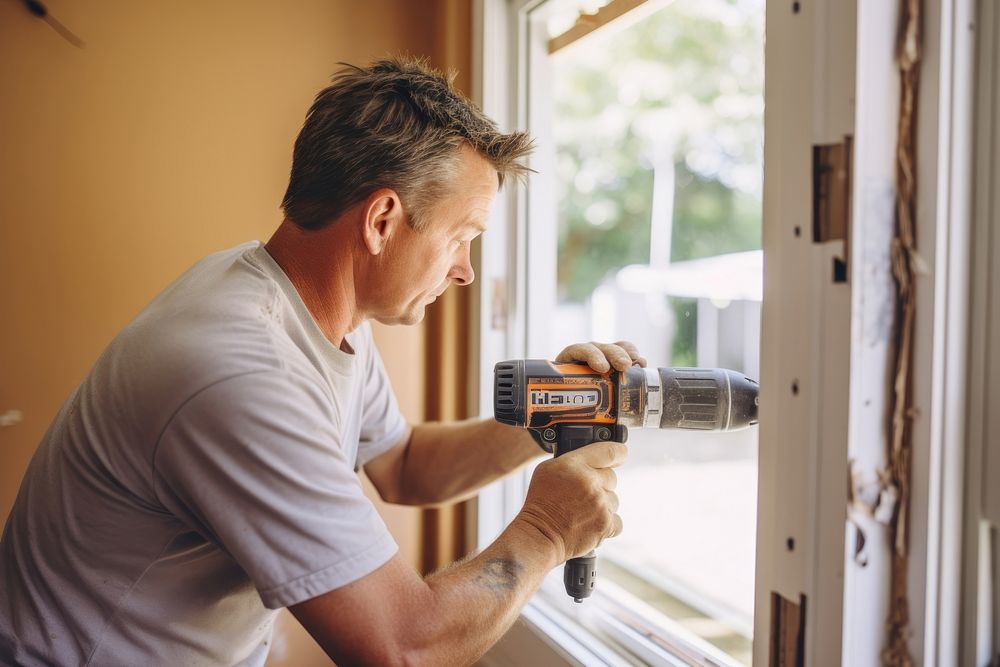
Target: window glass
(657, 129)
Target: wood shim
(621, 12)
(903, 257)
(788, 628)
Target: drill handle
(569, 437)
(580, 574)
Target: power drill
(566, 406)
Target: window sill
(615, 628)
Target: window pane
(658, 131)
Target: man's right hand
(571, 499)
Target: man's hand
(571, 499)
(602, 357)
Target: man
(203, 474)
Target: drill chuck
(704, 399)
(580, 576)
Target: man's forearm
(446, 462)
(394, 617)
(482, 596)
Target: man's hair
(397, 124)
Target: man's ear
(383, 216)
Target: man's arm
(393, 617)
(440, 463)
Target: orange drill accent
(564, 380)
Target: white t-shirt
(199, 478)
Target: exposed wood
(831, 191)
(832, 180)
(588, 23)
(903, 254)
(788, 628)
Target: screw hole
(796, 6)
(795, 388)
(790, 543)
(798, 231)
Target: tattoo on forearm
(499, 575)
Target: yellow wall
(167, 137)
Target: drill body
(566, 406)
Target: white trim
(502, 273)
(982, 502)
(806, 334)
(955, 233)
(866, 579)
(541, 205)
(978, 639)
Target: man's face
(420, 265)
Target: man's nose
(462, 272)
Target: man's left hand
(602, 357)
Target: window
(644, 223)
(832, 75)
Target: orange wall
(167, 137)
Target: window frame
(980, 591)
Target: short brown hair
(398, 124)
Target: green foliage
(684, 88)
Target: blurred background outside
(658, 130)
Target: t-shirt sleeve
(382, 423)
(255, 464)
